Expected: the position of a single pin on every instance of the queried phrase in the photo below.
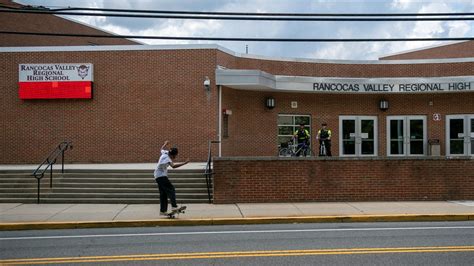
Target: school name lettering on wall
(390, 88)
(259, 80)
(55, 81)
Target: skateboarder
(161, 176)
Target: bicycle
(292, 150)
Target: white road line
(241, 232)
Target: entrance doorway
(358, 135)
(406, 136)
(460, 135)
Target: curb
(238, 221)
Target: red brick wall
(18, 22)
(269, 179)
(140, 99)
(258, 136)
(456, 50)
(143, 97)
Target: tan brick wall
(296, 180)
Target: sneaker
(163, 213)
(175, 208)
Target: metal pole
(38, 196)
(209, 173)
(51, 177)
(62, 161)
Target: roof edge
(138, 47)
(420, 49)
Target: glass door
(406, 135)
(359, 135)
(416, 134)
(471, 134)
(460, 135)
(396, 136)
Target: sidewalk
(17, 216)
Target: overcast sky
(285, 29)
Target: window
(288, 124)
(358, 135)
(406, 135)
(460, 135)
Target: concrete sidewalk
(17, 216)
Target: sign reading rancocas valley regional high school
(55, 81)
(377, 85)
(260, 80)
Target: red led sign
(55, 81)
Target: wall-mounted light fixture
(270, 103)
(383, 105)
(207, 84)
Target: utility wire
(199, 17)
(237, 13)
(261, 14)
(238, 39)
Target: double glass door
(359, 135)
(406, 135)
(460, 135)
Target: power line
(262, 14)
(239, 39)
(237, 13)
(207, 17)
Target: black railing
(208, 172)
(48, 164)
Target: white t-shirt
(162, 166)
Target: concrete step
(72, 190)
(105, 180)
(127, 185)
(128, 175)
(180, 195)
(126, 180)
(100, 201)
(57, 170)
(108, 186)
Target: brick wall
(45, 23)
(142, 97)
(257, 180)
(456, 50)
(258, 136)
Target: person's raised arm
(165, 145)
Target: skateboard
(172, 214)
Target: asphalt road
(428, 243)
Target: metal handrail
(208, 172)
(49, 162)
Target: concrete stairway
(101, 186)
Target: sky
(285, 29)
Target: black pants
(166, 191)
(327, 145)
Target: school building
(129, 99)
(408, 116)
